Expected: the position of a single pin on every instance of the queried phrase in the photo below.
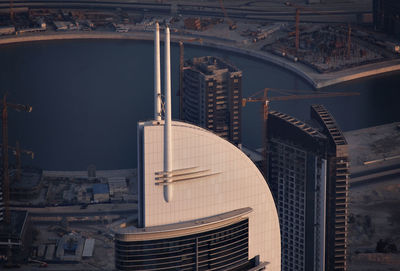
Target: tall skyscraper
(308, 176)
(212, 93)
(387, 16)
(1, 201)
(202, 203)
(337, 190)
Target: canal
(88, 96)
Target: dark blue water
(89, 95)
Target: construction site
(344, 43)
(65, 219)
(329, 48)
(58, 217)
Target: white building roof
(88, 248)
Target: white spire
(157, 76)
(168, 189)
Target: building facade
(212, 92)
(221, 216)
(337, 190)
(387, 16)
(202, 203)
(297, 174)
(1, 201)
(16, 237)
(325, 1)
(311, 198)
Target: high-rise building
(308, 176)
(325, 1)
(16, 237)
(1, 201)
(297, 174)
(202, 203)
(212, 93)
(337, 190)
(387, 16)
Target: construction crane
(181, 63)
(348, 40)
(17, 151)
(297, 24)
(12, 11)
(6, 180)
(232, 25)
(18, 164)
(262, 96)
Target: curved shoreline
(316, 79)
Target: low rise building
(70, 248)
(51, 248)
(88, 248)
(16, 235)
(61, 25)
(101, 192)
(118, 188)
(7, 30)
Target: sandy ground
(103, 254)
(374, 215)
(373, 143)
(374, 207)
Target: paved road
(369, 171)
(92, 210)
(274, 12)
(376, 177)
(83, 214)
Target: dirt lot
(375, 216)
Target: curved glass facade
(221, 249)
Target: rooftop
(299, 124)
(125, 227)
(100, 188)
(209, 65)
(328, 123)
(88, 248)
